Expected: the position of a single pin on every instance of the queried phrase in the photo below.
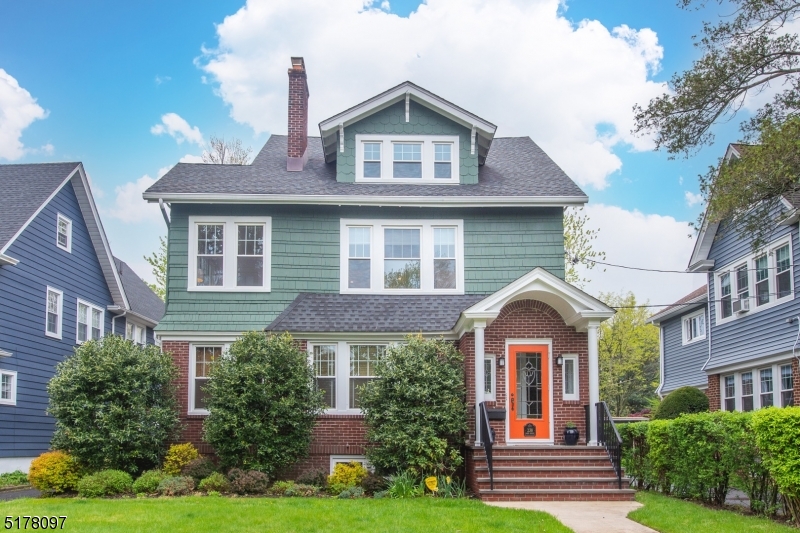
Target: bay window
(402, 256)
(756, 388)
(229, 254)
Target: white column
(479, 378)
(594, 383)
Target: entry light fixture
(560, 360)
(501, 361)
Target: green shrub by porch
(777, 432)
(262, 403)
(681, 401)
(416, 414)
(114, 404)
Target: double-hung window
(767, 397)
(341, 370)
(747, 391)
(725, 295)
(64, 233)
(432, 159)
(90, 322)
(742, 282)
(762, 280)
(694, 327)
(783, 280)
(200, 369)
(570, 377)
(787, 386)
(229, 254)
(402, 256)
(136, 333)
(8, 387)
(729, 390)
(54, 313)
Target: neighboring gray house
(746, 346)
(60, 286)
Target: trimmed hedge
(681, 401)
(701, 455)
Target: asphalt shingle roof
(696, 296)
(516, 166)
(141, 299)
(25, 189)
(346, 313)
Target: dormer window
(407, 159)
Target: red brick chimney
(297, 154)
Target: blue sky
(106, 73)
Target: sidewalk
(587, 517)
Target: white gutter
(163, 211)
(8, 260)
(363, 200)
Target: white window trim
(13, 399)
(136, 327)
(342, 371)
(756, 370)
(376, 254)
(428, 156)
(229, 253)
(350, 458)
(749, 260)
(577, 379)
(193, 369)
(685, 321)
(68, 247)
(60, 312)
(491, 396)
(92, 307)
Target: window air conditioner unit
(741, 305)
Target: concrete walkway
(587, 517)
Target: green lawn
(283, 515)
(671, 515)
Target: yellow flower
(432, 483)
(447, 479)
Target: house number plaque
(530, 430)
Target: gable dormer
(406, 135)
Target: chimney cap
(298, 63)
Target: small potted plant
(571, 434)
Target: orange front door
(529, 392)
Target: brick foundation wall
(713, 393)
(529, 319)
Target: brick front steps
(537, 473)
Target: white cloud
(517, 63)
(632, 238)
(18, 110)
(162, 79)
(129, 206)
(693, 199)
(191, 158)
(176, 127)
(680, 180)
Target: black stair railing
(487, 437)
(608, 436)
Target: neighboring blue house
(739, 339)
(59, 286)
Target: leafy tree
(416, 414)
(114, 404)
(222, 152)
(628, 356)
(744, 54)
(578, 245)
(158, 262)
(262, 403)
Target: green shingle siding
(500, 245)
(421, 121)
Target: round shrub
(176, 486)
(54, 472)
(114, 404)
(346, 476)
(374, 483)
(105, 483)
(262, 403)
(248, 481)
(682, 401)
(199, 468)
(148, 482)
(316, 477)
(416, 414)
(216, 482)
(178, 456)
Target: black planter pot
(571, 436)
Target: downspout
(114, 322)
(661, 360)
(708, 318)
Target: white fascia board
(98, 236)
(146, 321)
(704, 265)
(39, 210)
(4, 353)
(419, 95)
(364, 200)
(702, 245)
(681, 309)
(8, 260)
